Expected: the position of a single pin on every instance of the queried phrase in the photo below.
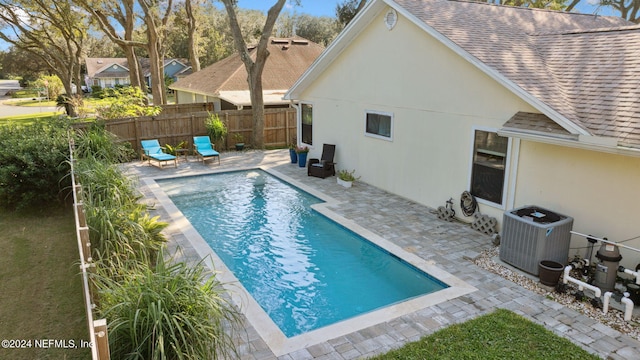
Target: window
(379, 125)
(489, 162)
(307, 123)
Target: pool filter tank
(607, 268)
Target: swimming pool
(188, 244)
(303, 269)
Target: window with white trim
(379, 124)
(489, 166)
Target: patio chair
(152, 150)
(324, 166)
(204, 148)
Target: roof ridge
(480, 2)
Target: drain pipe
(581, 285)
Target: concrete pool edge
(277, 342)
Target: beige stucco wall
(436, 98)
(600, 191)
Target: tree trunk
(193, 41)
(254, 68)
(257, 106)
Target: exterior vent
(531, 234)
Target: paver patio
(416, 229)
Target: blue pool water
(305, 270)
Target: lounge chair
(204, 148)
(324, 166)
(152, 150)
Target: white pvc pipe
(604, 240)
(581, 285)
(605, 302)
(633, 273)
(628, 306)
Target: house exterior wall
(172, 68)
(437, 100)
(599, 190)
(184, 97)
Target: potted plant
(302, 152)
(239, 139)
(346, 178)
(216, 129)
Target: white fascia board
(605, 145)
(337, 46)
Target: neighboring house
(225, 82)
(427, 99)
(109, 72)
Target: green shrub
(122, 233)
(216, 129)
(171, 311)
(97, 142)
(33, 163)
(126, 102)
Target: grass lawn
(27, 119)
(40, 286)
(499, 335)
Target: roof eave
(541, 106)
(366, 16)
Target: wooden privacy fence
(175, 127)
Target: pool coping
(275, 339)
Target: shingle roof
(95, 65)
(288, 59)
(585, 67)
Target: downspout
(298, 121)
(511, 194)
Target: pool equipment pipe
(581, 285)
(605, 302)
(628, 306)
(635, 274)
(604, 240)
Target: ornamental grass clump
(155, 308)
(169, 311)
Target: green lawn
(499, 335)
(41, 292)
(27, 119)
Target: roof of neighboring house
(288, 59)
(582, 71)
(96, 66)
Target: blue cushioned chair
(204, 148)
(152, 150)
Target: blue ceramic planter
(293, 155)
(302, 159)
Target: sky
(327, 7)
(312, 7)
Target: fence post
(101, 341)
